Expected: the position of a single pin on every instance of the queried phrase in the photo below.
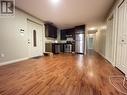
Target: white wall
(50, 40)
(109, 39)
(58, 35)
(111, 34)
(106, 39)
(100, 41)
(12, 44)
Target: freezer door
(79, 37)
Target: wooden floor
(63, 74)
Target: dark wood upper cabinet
(63, 35)
(50, 31)
(67, 33)
(80, 29)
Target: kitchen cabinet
(70, 33)
(53, 47)
(48, 47)
(80, 29)
(56, 48)
(67, 33)
(63, 35)
(50, 31)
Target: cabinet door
(54, 32)
(63, 35)
(46, 30)
(50, 31)
(67, 33)
(121, 60)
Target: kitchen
(72, 40)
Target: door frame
(118, 65)
(29, 42)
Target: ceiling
(68, 13)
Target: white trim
(102, 55)
(106, 58)
(13, 61)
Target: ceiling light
(104, 27)
(55, 1)
(93, 28)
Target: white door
(121, 60)
(35, 39)
(90, 43)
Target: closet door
(121, 60)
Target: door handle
(122, 40)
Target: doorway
(90, 43)
(34, 39)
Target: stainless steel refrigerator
(80, 43)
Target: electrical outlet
(2, 55)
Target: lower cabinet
(57, 48)
(48, 47)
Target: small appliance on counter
(68, 48)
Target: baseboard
(112, 62)
(100, 54)
(13, 61)
(106, 59)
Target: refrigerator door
(79, 47)
(80, 43)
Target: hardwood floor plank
(63, 74)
